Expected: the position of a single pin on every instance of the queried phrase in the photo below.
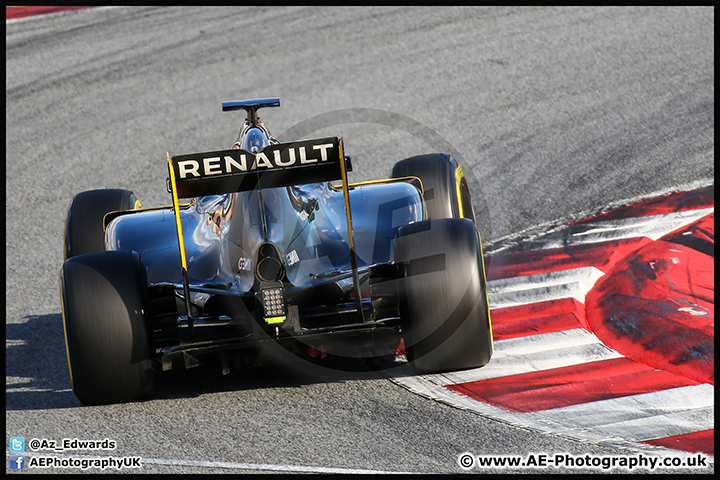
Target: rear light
(272, 297)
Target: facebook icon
(17, 462)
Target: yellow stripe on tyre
(67, 347)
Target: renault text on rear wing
(278, 165)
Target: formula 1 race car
(273, 250)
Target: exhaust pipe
(269, 265)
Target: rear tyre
(443, 296)
(445, 189)
(84, 232)
(107, 335)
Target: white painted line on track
(255, 467)
(266, 467)
(647, 412)
(660, 426)
(559, 277)
(530, 354)
(541, 287)
(543, 342)
(653, 227)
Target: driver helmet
(254, 140)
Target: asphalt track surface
(555, 112)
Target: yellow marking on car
(67, 347)
(346, 197)
(458, 181)
(487, 299)
(348, 218)
(275, 320)
(176, 207)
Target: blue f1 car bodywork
(273, 247)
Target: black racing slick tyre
(443, 296)
(445, 189)
(107, 335)
(84, 232)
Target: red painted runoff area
(703, 441)
(560, 387)
(601, 255)
(654, 305)
(536, 318)
(657, 306)
(29, 11)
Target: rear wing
(278, 165)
